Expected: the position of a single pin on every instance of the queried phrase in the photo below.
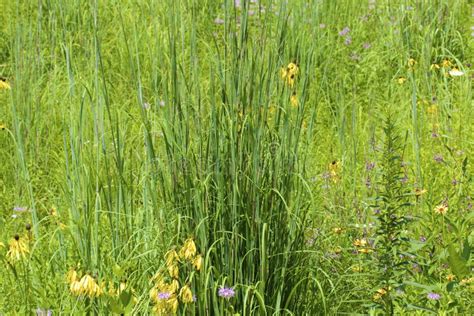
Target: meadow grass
(236, 157)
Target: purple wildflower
(434, 134)
(164, 295)
(366, 45)
(344, 31)
(438, 158)
(348, 41)
(20, 209)
(219, 21)
(43, 312)
(433, 296)
(377, 211)
(369, 166)
(422, 238)
(454, 182)
(237, 3)
(226, 292)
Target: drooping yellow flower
(17, 249)
(294, 100)
(186, 295)
(432, 109)
(86, 286)
(434, 66)
(4, 85)
(441, 209)
(171, 257)
(197, 262)
(411, 62)
(173, 270)
(401, 80)
(71, 276)
(188, 251)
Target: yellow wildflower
(446, 63)
(86, 286)
(420, 192)
(283, 73)
(434, 66)
(290, 73)
(186, 295)
(294, 100)
(173, 270)
(450, 277)
(411, 62)
(357, 269)
(71, 276)
(18, 249)
(337, 230)
(441, 209)
(171, 257)
(360, 242)
(401, 80)
(4, 85)
(2, 127)
(379, 294)
(188, 251)
(432, 109)
(334, 168)
(365, 250)
(197, 262)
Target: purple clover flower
(226, 292)
(344, 31)
(164, 295)
(433, 296)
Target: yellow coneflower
(290, 73)
(4, 85)
(441, 209)
(401, 80)
(86, 286)
(171, 257)
(197, 262)
(17, 249)
(186, 295)
(188, 251)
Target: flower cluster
(290, 73)
(166, 292)
(86, 286)
(448, 68)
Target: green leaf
(115, 306)
(466, 251)
(125, 298)
(457, 263)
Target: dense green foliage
(236, 157)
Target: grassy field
(224, 157)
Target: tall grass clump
(237, 185)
